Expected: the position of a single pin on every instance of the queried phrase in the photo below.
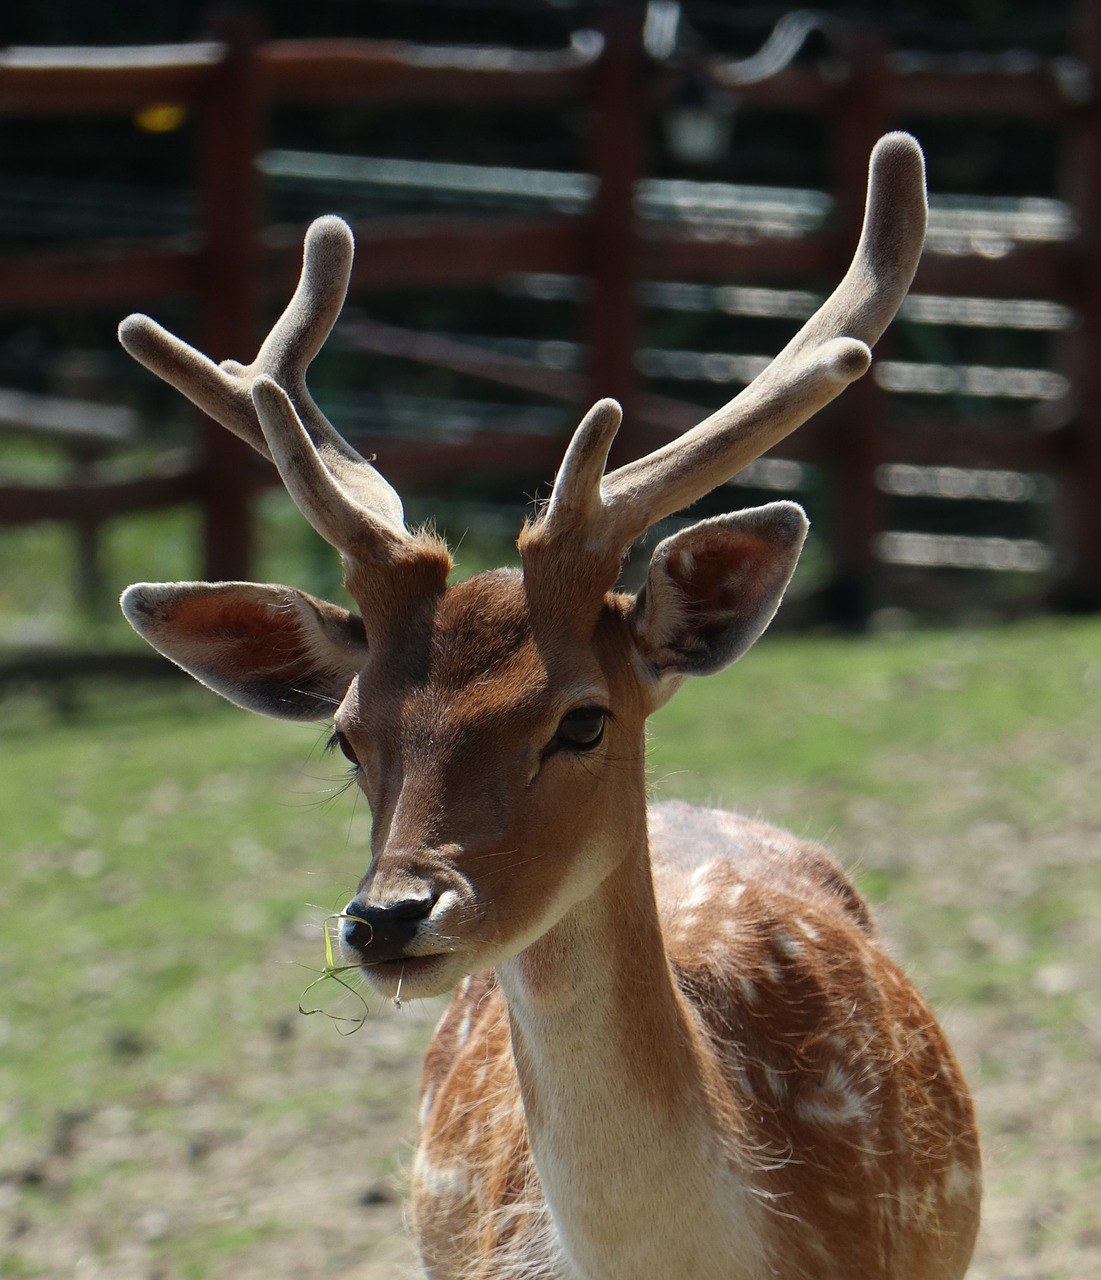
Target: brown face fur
(453, 722)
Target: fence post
(616, 131)
(229, 285)
(860, 112)
(91, 597)
(1077, 587)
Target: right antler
(606, 513)
(268, 405)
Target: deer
(675, 1043)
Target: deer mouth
(414, 977)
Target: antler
(608, 512)
(267, 404)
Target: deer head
(496, 725)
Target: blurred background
(553, 201)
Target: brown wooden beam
(668, 415)
(668, 252)
(419, 252)
(1033, 95)
(230, 127)
(422, 463)
(616, 157)
(861, 112)
(71, 81)
(922, 90)
(64, 81)
(363, 334)
(448, 252)
(95, 277)
(379, 71)
(391, 253)
(1077, 513)
(950, 444)
(103, 500)
(1027, 271)
(53, 669)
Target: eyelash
(336, 741)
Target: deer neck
(621, 1092)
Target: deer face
(494, 758)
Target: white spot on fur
(426, 1105)
(699, 897)
(463, 1034)
(807, 930)
(689, 922)
(700, 887)
(959, 1182)
(452, 1180)
(703, 874)
(728, 928)
(786, 945)
(836, 1101)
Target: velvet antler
(603, 514)
(267, 404)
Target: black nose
(382, 932)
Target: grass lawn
(168, 861)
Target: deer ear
(270, 649)
(713, 588)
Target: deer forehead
(479, 657)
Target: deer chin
(414, 977)
(429, 974)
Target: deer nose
(383, 930)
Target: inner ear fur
(714, 587)
(271, 649)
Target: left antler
(268, 405)
(831, 350)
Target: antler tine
(218, 394)
(225, 391)
(342, 517)
(830, 351)
(576, 496)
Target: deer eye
(338, 742)
(582, 729)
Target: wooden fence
(233, 81)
